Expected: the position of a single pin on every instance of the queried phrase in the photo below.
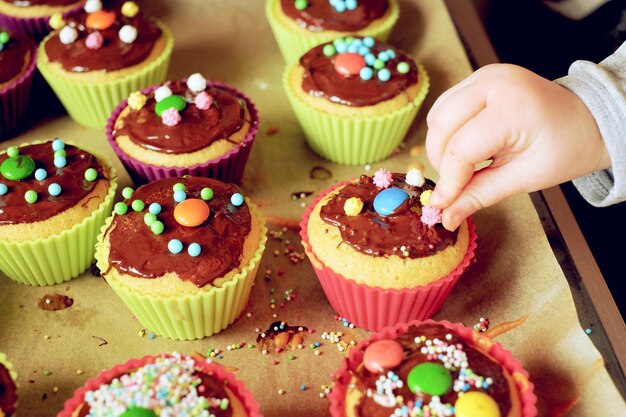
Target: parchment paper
(516, 275)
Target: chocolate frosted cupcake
(355, 98)
(54, 198)
(8, 388)
(299, 25)
(380, 251)
(164, 385)
(196, 246)
(17, 66)
(97, 58)
(31, 18)
(188, 127)
(431, 369)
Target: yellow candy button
(476, 404)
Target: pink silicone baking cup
(374, 308)
(238, 388)
(14, 97)
(228, 167)
(35, 28)
(503, 357)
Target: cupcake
(17, 66)
(31, 18)
(431, 369)
(98, 57)
(54, 198)
(299, 25)
(8, 388)
(380, 251)
(355, 98)
(187, 127)
(163, 385)
(196, 246)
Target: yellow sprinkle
(353, 206)
(55, 389)
(136, 100)
(425, 197)
(130, 9)
(56, 21)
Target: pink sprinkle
(94, 40)
(431, 216)
(275, 362)
(382, 178)
(201, 389)
(171, 117)
(203, 101)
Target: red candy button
(100, 20)
(381, 355)
(349, 63)
(191, 212)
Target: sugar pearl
(196, 82)
(128, 34)
(68, 35)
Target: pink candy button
(349, 63)
(381, 355)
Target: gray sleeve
(602, 87)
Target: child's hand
(537, 133)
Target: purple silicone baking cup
(14, 97)
(228, 167)
(35, 28)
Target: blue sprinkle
(390, 53)
(383, 56)
(194, 249)
(175, 246)
(180, 196)
(59, 161)
(151, 335)
(3, 189)
(588, 330)
(341, 47)
(41, 174)
(370, 59)
(384, 74)
(155, 208)
(58, 144)
(368, 41)
(236, 199)
(317, 344)
(358, 42)
(364, 50)
(337, 41)
(340, 7)
(353, 48)
(351, 4)
(366, 73)
(54, 189)
(302, 387)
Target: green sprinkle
(329, 50)
(127, 192)
(349, 39)
(337, 41)
(13, 152)
(91, 174)
(47, 372)
(379, 64)
(121, 208)
(157, 227)
(312, 346)
(138, 205)
(224, 404)
(403, 67)
(4, 37)
(291, 357)
(30, 196)
(301, 4)
(61, 153)
(179, 186)
(250, 345)
(149, 218)
(206, 193)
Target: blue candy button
(388, 200)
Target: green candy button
(138, 412)
(17, 168)
(177, 102)
(430, 378)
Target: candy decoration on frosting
(388, 200)
(138, 412)
(382, 355)
(92, 6)
(301, 4)
(16, 167)
(68, 35)
(56, 21)
(94, 40)
(157, 227)
(170, 102)
(382, 178)
(128, 34)
(30, 196)
(175, 246)
(130, 9)
(415, 178)
(236, 199)
(196, 82)
(425, 197)
(58, 145)
(41, 174)
(162, 93)
(191, 212)
(203, 101)
(194, 250)
(430, 378)
(353, 206)
(60, 161)
(54, 189)
(343, 5)
(431, 215)
(349, 63)
(3, 189)
(155, 208)
(476, 404)
(149, 218)
(4, 39)
(100, 20)
(120, 208)
(403, 67)
(137, 100)
(206, 193)
(180, 196)
(138, 205)
(171, 117)
(127, 192)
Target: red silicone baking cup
(35, 28)
(374, 308)
(228, 167)
(14, 97)
(503, 357)
(238, 388)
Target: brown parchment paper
(516, 275)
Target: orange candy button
(349, 63)
(191, 212)
(100, 20)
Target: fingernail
(450, 222)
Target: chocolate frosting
(373, 234)
(13, 207)
(197, 129)
(8, 392)
(113, 55)
(28, 3)
(321, 79)
(221, 237)
(320, 15)
(13, 58)
(478, 362)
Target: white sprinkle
(415, 178)
(92, 6)
(162, 93)
(68, 35)
(196, 82)
(128, 34)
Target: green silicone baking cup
(62, 256)
(354, 140)
(189, 317)
(91, 103)
(293, 43)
